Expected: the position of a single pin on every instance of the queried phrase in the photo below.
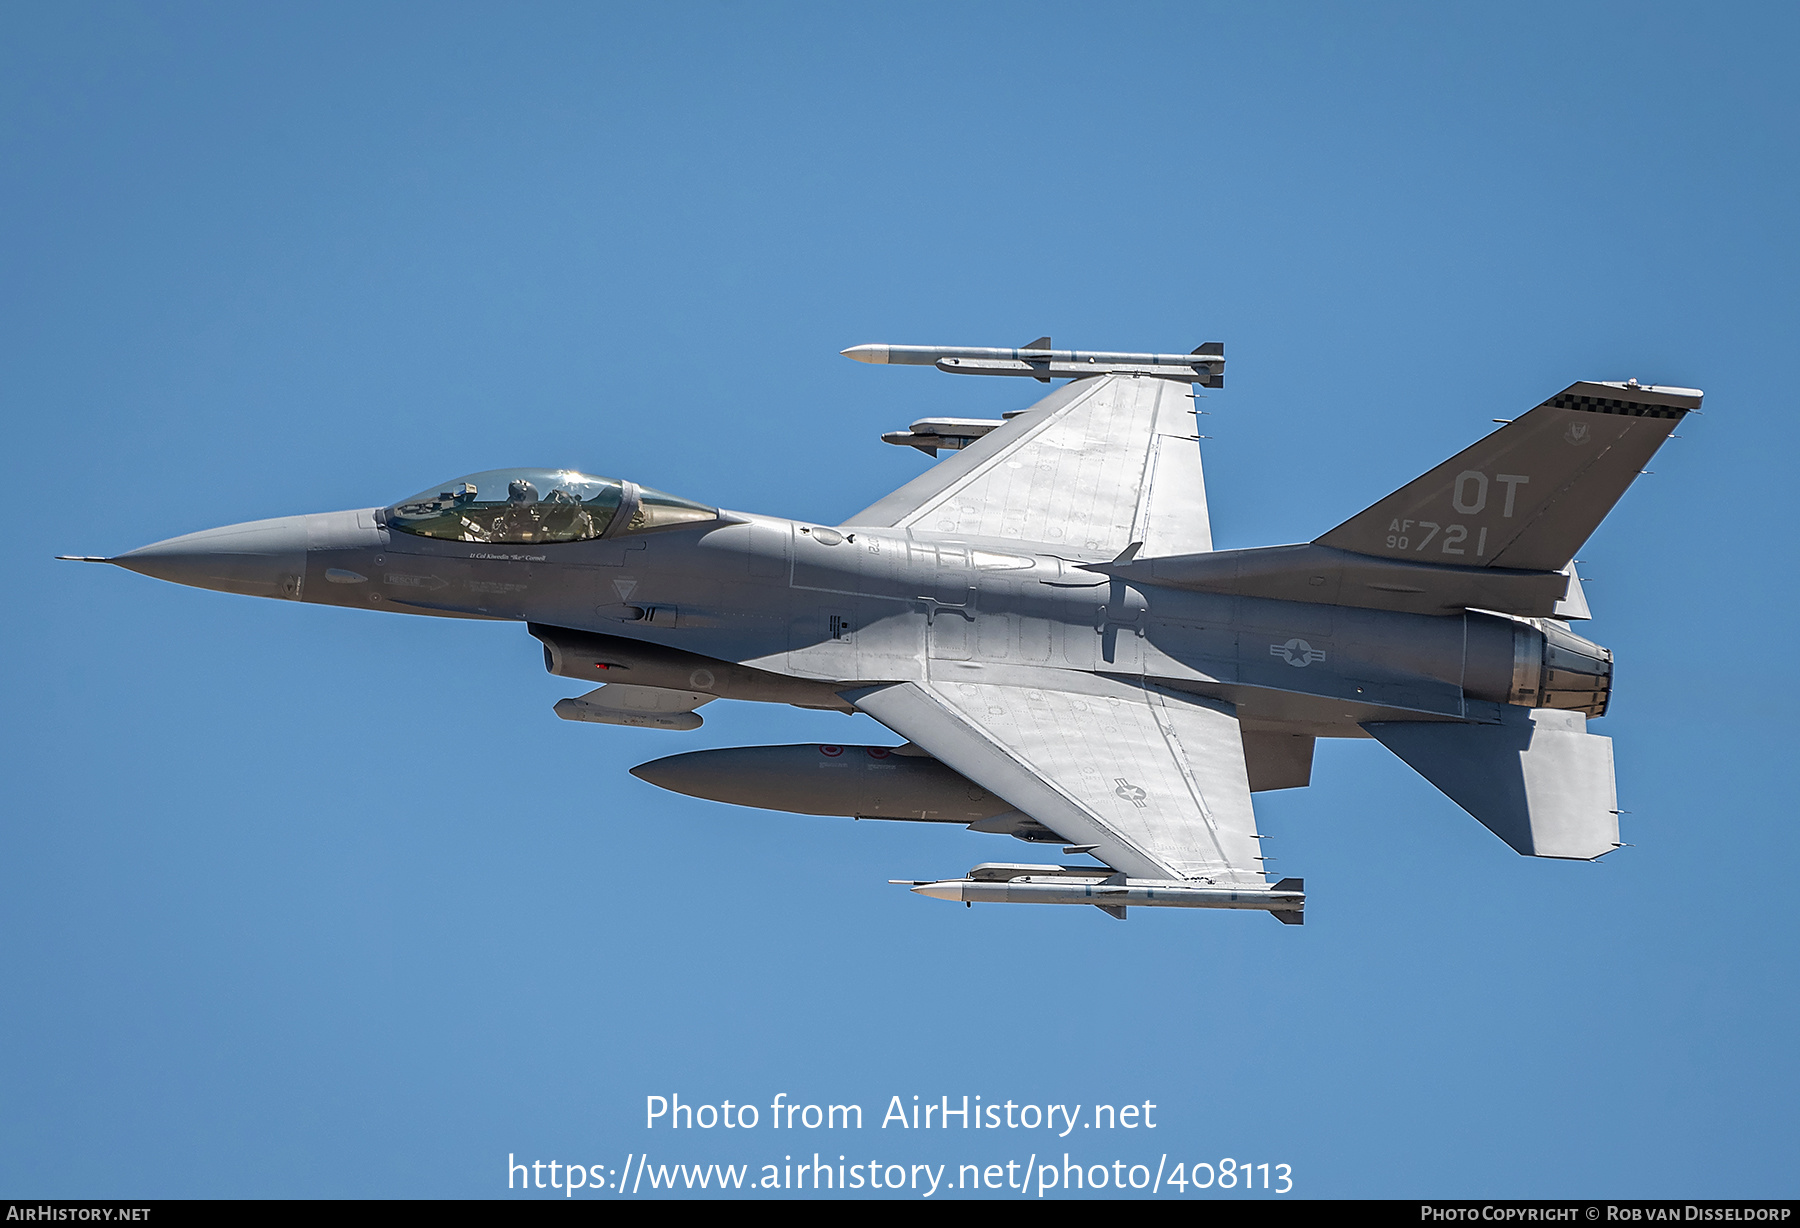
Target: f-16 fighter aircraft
(1043, 619)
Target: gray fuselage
(811, 610)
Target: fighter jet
(1042, 619)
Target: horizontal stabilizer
(1527, 496)
(1538, 779)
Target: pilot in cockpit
(566, 519)
(578, 507)
(518, 520)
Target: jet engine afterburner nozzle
(1535, 663)
(1555, 668)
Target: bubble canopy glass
(536, 506)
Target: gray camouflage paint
(1379, 628)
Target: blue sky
(305, 901)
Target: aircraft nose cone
(261, 558)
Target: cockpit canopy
(535, 506)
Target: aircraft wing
(1096, 465)
(1154, 781)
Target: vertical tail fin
(1531, 493)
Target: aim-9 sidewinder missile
(1205, 366)
(1006, 883)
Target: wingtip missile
(1205, 366)
(939, 891)
(1099, 886)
